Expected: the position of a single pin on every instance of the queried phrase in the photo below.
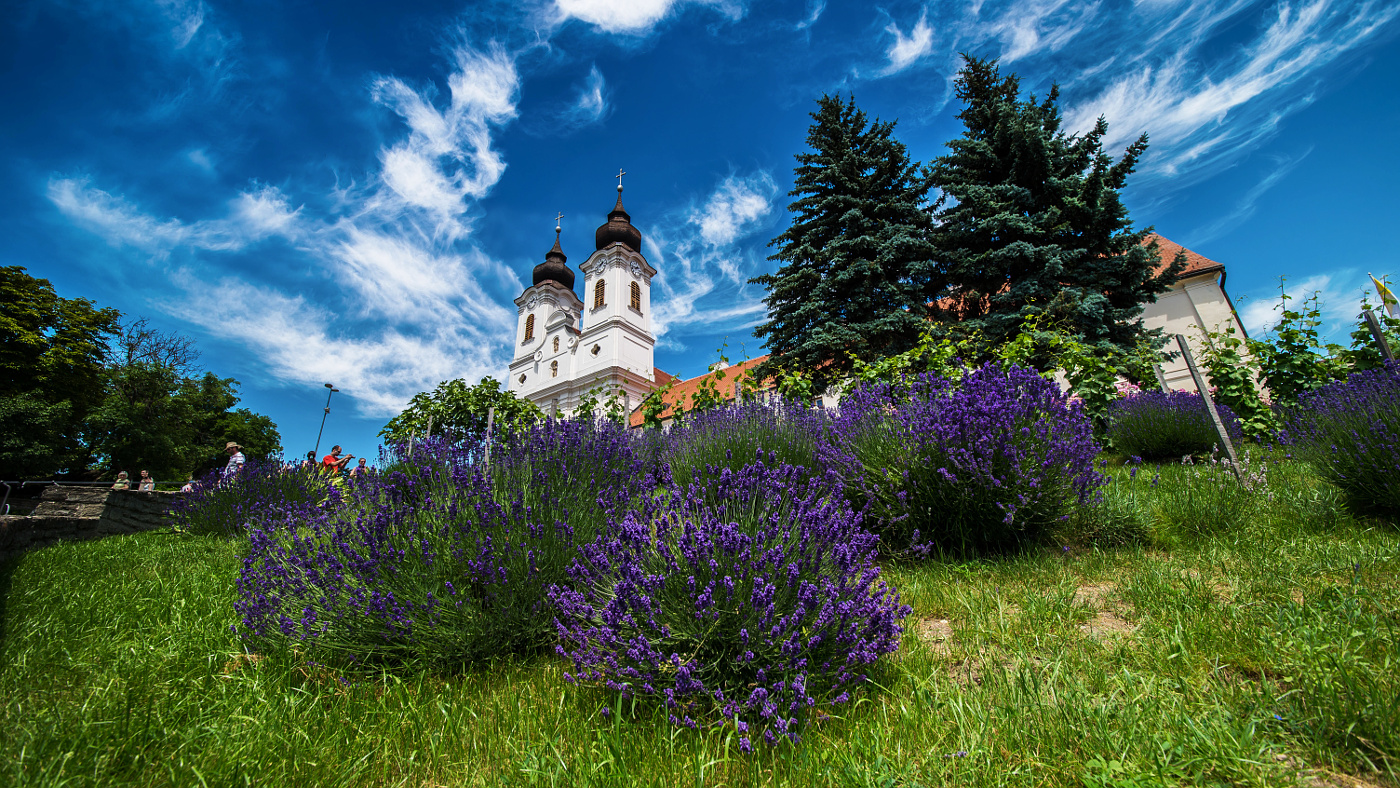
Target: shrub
(260, 493)
(735, 435)
(978, 464)
(1158, 425)
(445, 560)
(753, 593)
(1349, 431)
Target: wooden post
(430, 427)
(490, 422)
(410, 444)
(1210, 407)
(1375, 326)
(1161, 378)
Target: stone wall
(77, 513)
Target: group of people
(332, 463)
(124, 482)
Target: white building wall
(1194, 303)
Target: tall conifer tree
(857, 249)
(1030, 221)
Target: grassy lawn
(1263, 653)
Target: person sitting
(189, 484)
(310, 461)
(146, 484)
(334, 463)
(123, 482)
(360, 469)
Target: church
(566, 347)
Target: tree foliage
(1030, 221)
(852, 261)
(52, 351)
(79, 388)
(164, 414)
(460, 410)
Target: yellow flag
(1392, 305)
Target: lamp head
(328, 385)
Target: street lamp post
(317, 451)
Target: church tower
(565, 347)
(616, 346)
(546, 334)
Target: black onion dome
(555, 267)
(619, 229)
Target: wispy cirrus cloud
(1338, 296)
(590, 104)
(1200, 116)
(396, 295)
(1244, 208)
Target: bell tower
(546, 334)
(616, 345)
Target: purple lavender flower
(752, 591)
(1349, 431)
(1157, 425)
(440, 557)
(980, 463)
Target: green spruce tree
(1031, 222)
(857, 248)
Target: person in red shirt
(334, 463)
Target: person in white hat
(235, 458)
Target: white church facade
(566, 347)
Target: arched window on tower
(556, 344)
(598, 294)
(636, 296)
(554, 369)
(529, 329)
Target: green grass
(1260, 654)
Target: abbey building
(566, 347)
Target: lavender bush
(750, 594)
(1157, 425)
(978, 464)
(1349, 431)
(260, 493)
(736, 434)
(444, 559)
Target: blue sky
(355, 193)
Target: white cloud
(391, 297)
(735, 207)
(121, 223)
(447, 156)
(703, 277)
(265, 212)
(301, 342)
(1339, 298)
(907, 49)
(1198, 117)
(636, 17)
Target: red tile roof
(682, 392)
(1195, 263)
